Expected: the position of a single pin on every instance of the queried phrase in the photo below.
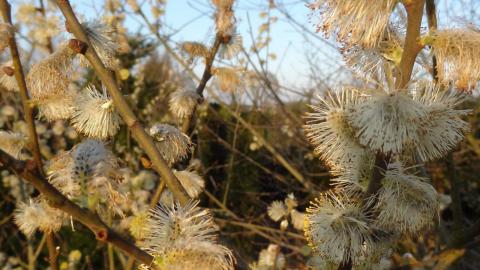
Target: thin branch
(207, 75)
(20, 77)
(145, 141)
(432, 25)
(28, 113)
(412, 46)
(57, 200)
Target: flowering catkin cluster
(457, 54)
(359, 21)
(184, 237)
(347, 128)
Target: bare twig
(432, 25)
(20, 77)
(28, 113)
(145, 141)
(412, 45)
(57, 200)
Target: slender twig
(26, 169)
(28, 113)
(43, 12)
(207, 75)
(145, 141)
(20, 77)
(432, 26)
(52, 251)
(412, 43)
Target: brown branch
(145, 141)
(57, 200)
(20, 77)
(207, 75)
(412, 45)
(52, 251)
(28, 114)
(432, 25)
(41, 9)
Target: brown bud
(77, 46)
(10, 71)
(226, 39)
(146, 163)
(102, 235)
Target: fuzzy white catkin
(329, 130)
(191, 181)
(172, 143)
(443, 127)
(102, 37)
(457, 53)
(12, 143)
(338, 230)
(95, 114)
(50, 77)
(184, 237)
(37, 215)
(348, 19)
(388, 122)
(183, 102)
(231, 45)
(406, 202)
(58, 107)
(88, 174)
(277, 210)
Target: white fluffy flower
(230, 45)
(271, 256)
(406, 202)
(88, 174)
(50, 77)
(57, 107)
(171, 142)
(277, 210)
(103, 40)
(338, 229)
(443, 127)
(95, 115)
(353, 179)
(329, 130)
(191, 181)
(184, 237)
(183, 102)
(348, 19)
(7, 77)
(37, 215)
(388, 121)
(372, 61)
(457, 53)
(12, 143)
(298, 219)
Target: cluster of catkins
(357, 131)
(179, 237)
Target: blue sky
(194, 18)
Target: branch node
(77, 46)
(10, 71)
(101, 235)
